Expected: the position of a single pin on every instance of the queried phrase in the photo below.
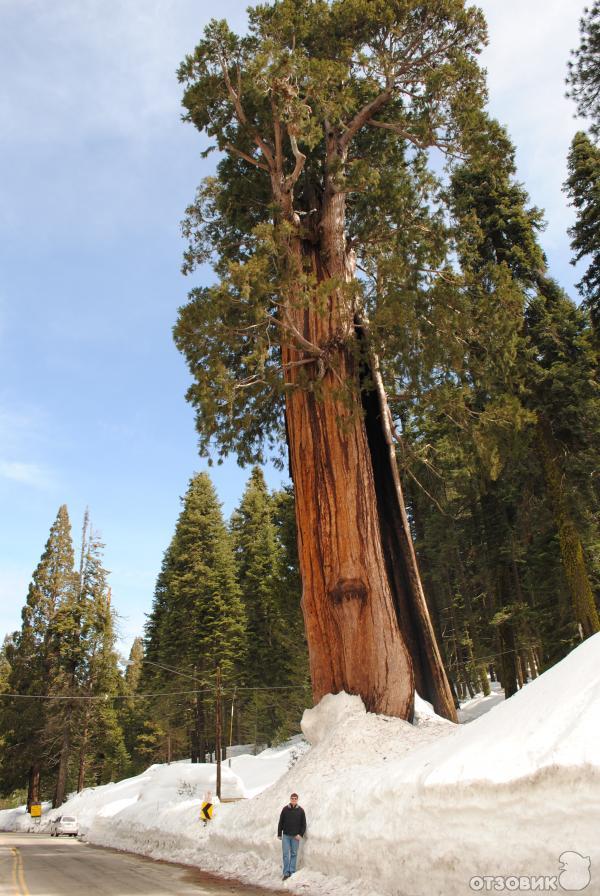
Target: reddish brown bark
(354, 640)
(362, 594)
(33, 788)
(367, 622)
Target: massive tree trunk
(352, 632)
(361, 587)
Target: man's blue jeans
(289, 845)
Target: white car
(64, 824)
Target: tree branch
(290, 328)
(257, 380)
(277, 134)
(241, 115)
(247, 158)
(300, 160)
(364, 115)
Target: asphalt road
(40, 865)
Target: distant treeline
(226, 597)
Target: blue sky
(97, 169)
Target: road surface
(40, 865)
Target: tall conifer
(35, 655)
(272, 666)
(583, 188)
(198, 620)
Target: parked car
(64, 824)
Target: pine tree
(102, 755)
(567, 400)
(544, 371)
(584, 73)
(4, 689)
(289, 594)
(272, 626)
(482, 384)
(133, 671)
(257, 562)
(197, 622)
(154, 739)
(133, 711)
(68, 648)
(583, 189)
(64, 654)
(4, 665)
(34, 656)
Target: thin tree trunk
(484, 681)
(82, 760)
(571, 549)
(508, 657)
(33, 788)
(520, 671)
(532, 663)
(63, 768)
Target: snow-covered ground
(430, 809)
(472, 709)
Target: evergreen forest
(455, 360)
(74, 714)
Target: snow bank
(393, 808)
(421, 810)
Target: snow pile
(393, 808)
(164, 792)
(404, 810)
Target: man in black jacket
(292, 826)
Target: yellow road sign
(206, 811)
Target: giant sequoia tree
(319, 103)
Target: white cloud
(25, 473)
(22, 433)
(88, 69)
(530, 44)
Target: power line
(103, 697)
(106, 697)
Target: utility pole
(231, 721)
(218, 732)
